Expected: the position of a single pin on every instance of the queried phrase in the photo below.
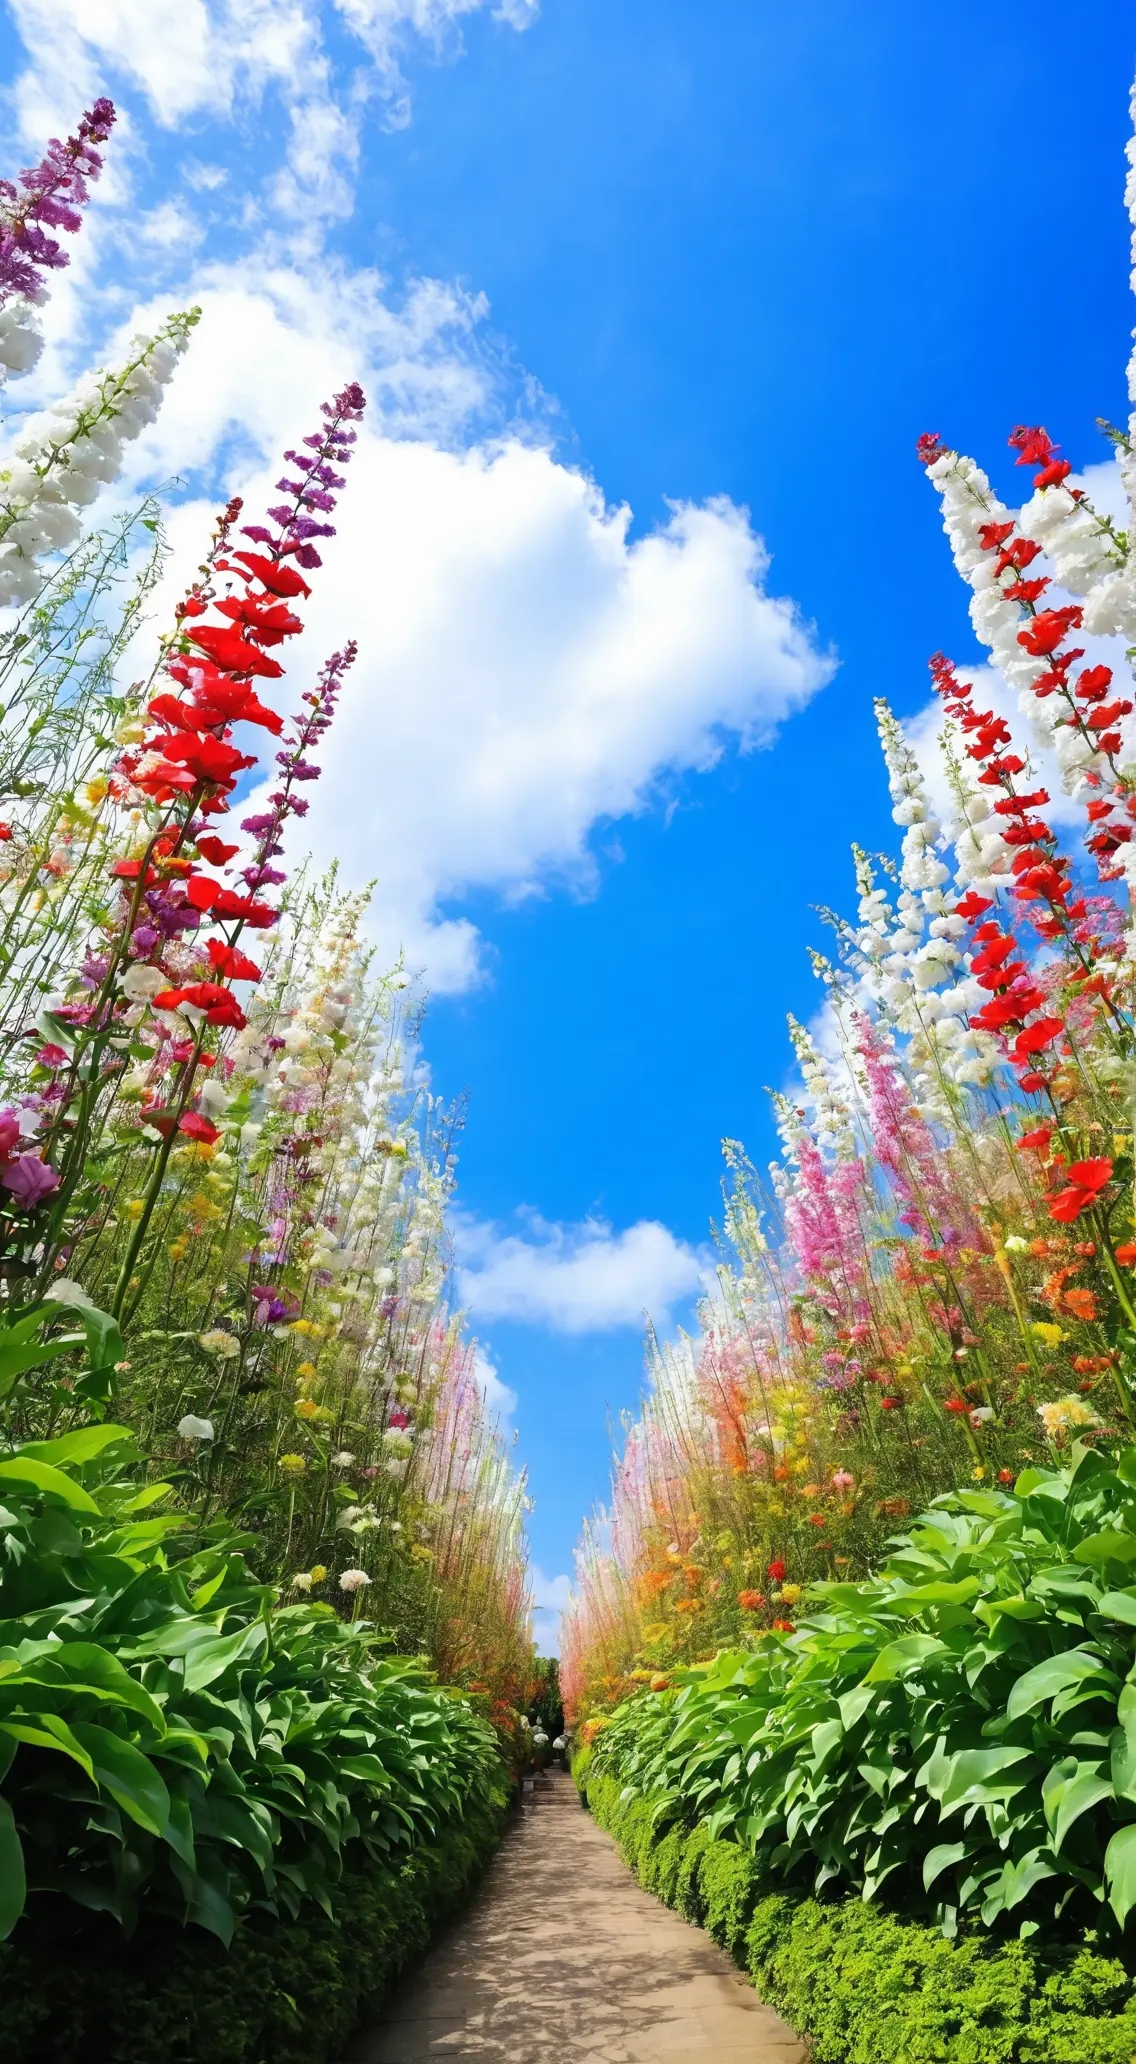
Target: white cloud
(500, 1400)
(220, 58)
(550, 1595)
(583, 1278)
(527, 669)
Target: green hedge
(287, 1992)
(867, 1987)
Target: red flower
(1034, 446)
(782, 1626)
(972, 905)
(258, 915)
(228, 650)
(195, 1127)
(1036, 1141)
(214, 850)
(278, 579)
(955, 1404)
(1036, 1037)
(1005, 1476)
(227, 960)
(777, 1570)
(265, 623)
(1086, 1180)
(890, 1404)
(206, 758)
(1126, 1254)
(1048, 630)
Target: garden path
(564, 1959)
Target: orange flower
(751, 1601)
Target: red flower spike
(279, 580)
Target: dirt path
(563, 1957)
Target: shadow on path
(564, 1956)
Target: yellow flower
(292, 1465)
(790, 1593)
(306, 1370)
(306, 1408)
(1049, 1335)
(1063, 1414)
(978, 1472)
(318, 1573)
(178, 1249)
(133, 1207)
(95, 791)
(307, 1326)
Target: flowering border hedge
(290, 1991)
(864, 1986)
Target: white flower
(193, 1429)
(64, 1291)
(344, 1460)
(302, 1582)
(140, 984)
(218, 1342)
(353, 1580)
(539, 1738)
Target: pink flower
(29, 1180)
(9, 1133)
(842, 1480)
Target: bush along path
(236, 1406)
(562, 1955)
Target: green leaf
(129, 1776)
(1070, 1789)
(42, 1477)
(938, 1860)
(13, 1882)
(1119, 1605)
(907, 1654)
(81, 1446)
(52, 1733)
(1109, 1546)
(1120, 1872)
(1054, 1675)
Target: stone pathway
(563, 1956)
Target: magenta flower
(29, 1180)
(48, 196)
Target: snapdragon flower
(65, 458)
(43, 197)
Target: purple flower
(29, 1180)
(52, 193)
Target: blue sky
(732, 251)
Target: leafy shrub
(867, 1987)
(289, 1991)
(961, 1727)
(171, 1741)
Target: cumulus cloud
(583, 1278)
(220, 58)
(550, 1595)
(529, 670)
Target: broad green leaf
(1108, 1546)
(16, 1361)
(1056, 1674)
(1120, 1872)
(210, 1659)
(81, 1446)
(127, 1775)
(85, 1663)
(907, 1654)
(1119, 1605)
(13, 1883)
(1072, 1788)
(51, 1733)
(938, 1860)
(41, 1476)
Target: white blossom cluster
(66, 456)
(21, 338)
(832, 1122)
